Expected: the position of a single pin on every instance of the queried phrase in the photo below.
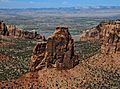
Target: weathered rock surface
(3, 29)
(90, 34)
(108, 33)
(14, 31)
(57, 51)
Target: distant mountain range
(98, 11)
(69, 8)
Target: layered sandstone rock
(57, 51)
(90, 34)
(108, 33)
(14, 31)
(3, 29)
(30, 35)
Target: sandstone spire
(57, 51)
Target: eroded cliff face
(3, 29)
(108, 33)
(57, 51)
(14, 31)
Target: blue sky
(56, 3)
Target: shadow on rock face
(57, 51)
(108, 33)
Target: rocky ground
(97, 72)
(14, 68)
(93, 72)
(96, 69)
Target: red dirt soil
(87, 72)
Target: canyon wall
(108, 33)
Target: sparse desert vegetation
(74, 78)
(95, 70)
(19, 54)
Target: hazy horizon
(55, 4)
(61, 7)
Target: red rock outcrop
(90, 34)
(3, 29)
(14, 31)
(108, 33)
(57, 51)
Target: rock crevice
(108, 33)
(14, 31)
(57, 51)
